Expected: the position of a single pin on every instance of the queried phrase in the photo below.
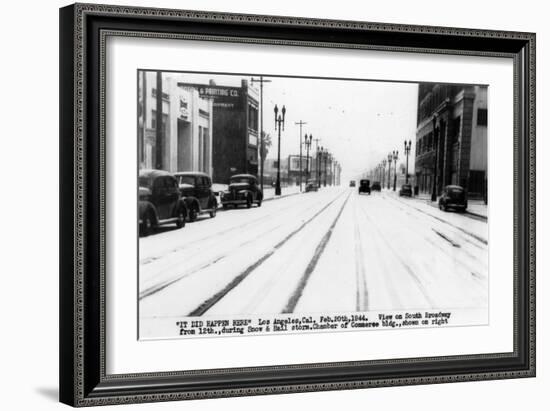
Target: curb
(429, 202)
(281, 196)
(477, 215)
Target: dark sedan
(405, 190)
(243, 190)
(453, 197)
(311, 185)
(364, 186)
(376, 186)
(159, 201)
(196, 190)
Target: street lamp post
(261, 81)
(390, 157)
(383, 171)
(327, 155)
(307, 142)
(407, 152)
(436, 146)
(395, 157)
(279, 122)
(300, 123)
(318, 163)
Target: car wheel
(146, 225)
(225, 206)
(193, 214)
(248, 202)
(213, 212)
(180, 223)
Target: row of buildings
(204, 127)
(210, 128)
(451, 138)
(450, 144)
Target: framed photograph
(261, 204)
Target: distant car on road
(453, 197)
(196, 191)
(364, 186)
(352, 183)
(405, 190)
(376, 186)
(243, 190)
(159, 201)
(311, 186)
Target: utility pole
(261, 81)
(300, 123)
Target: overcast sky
(360, 122)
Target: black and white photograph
(273, 204)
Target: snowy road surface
(327, 251)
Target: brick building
(234, 129)
(459, 115)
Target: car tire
(248, 202)
(260, 202)
(146, 227)
(225, 206)
(180, 223)
(193, 214)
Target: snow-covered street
(327, 251)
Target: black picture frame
(83, 29)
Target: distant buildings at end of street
(452, 130)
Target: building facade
(451, 138)
(235, 129)
(185, 140)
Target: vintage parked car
(243, 189)
(352, 183)
(405, 190)
(453, 197)
(311, 185)
(376, 186)
(159, 201)
(196, 190)
(364, 186)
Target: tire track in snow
(398, 258)
(153, 289)
(295, 297)
(260, 219)
(209, 303)
(475, 236)
(362, 296)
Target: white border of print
(125, 354)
